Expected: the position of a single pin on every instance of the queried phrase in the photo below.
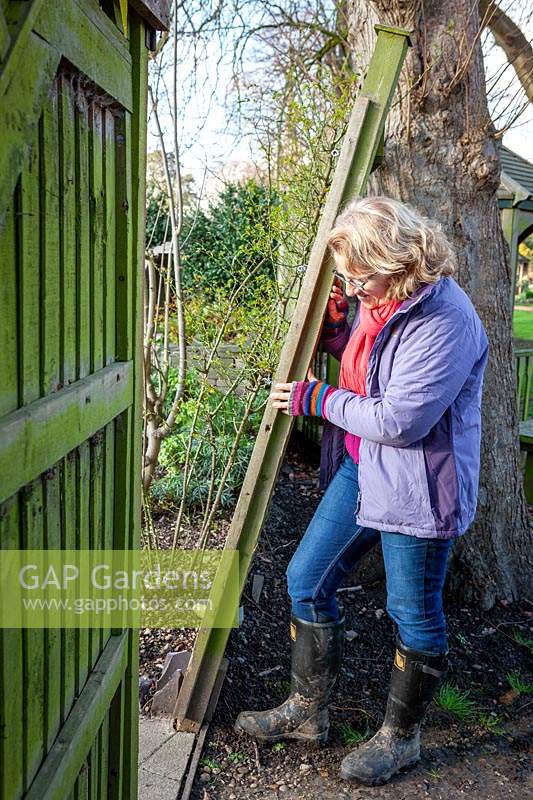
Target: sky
(205, 139)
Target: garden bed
(483, 755)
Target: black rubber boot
(416, 676)
(316, 656)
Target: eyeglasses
(353, 282)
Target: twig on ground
(257, 761)
(268, 671)
(262, 610)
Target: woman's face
(374, 290)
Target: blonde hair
(380, 234)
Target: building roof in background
(516, 175)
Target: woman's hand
(280, 397)
(337, 309)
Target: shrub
(211, 439)
(222, 244)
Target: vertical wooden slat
(5, 38)
(110, 236)
(332, 370)
(34, 694)
(123, 329)
(520, 385)
(116, 745)
(29, 299)
(51, 327)
(97, 519)
(97, 234)
(8, 326)
(124, 272)
(96, 761)
(70, 637)
(49, 247)
(82, 784)
(522, 379)
(138, 168)
(97, 288)
(32, 668)
(91, 770)
(108, 503)
(137, 144)
(68, 177)
(109, 334)
(52, 636)
(104, 758)
(11, 676)
(529, 381)
(83, 253)
(109, 179)
(83, 543)
(120, 731)
(82, 236)
(67, 229)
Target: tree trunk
(441, 157)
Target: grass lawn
(523, 324)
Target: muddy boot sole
(347, 775)
(317, 738)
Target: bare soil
(483, 758)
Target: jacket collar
(419, 294)
(423, 290)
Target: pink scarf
(354, 361)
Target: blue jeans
(333, 543)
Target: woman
(408, 407)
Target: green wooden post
(355, 162)
(526, 444)
(509, 226)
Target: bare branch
(510, 38)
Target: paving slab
(155, 787)
(163, 758)
(171, 759)
(152, 734)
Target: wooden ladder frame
(356, 160)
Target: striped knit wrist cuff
(327, 394)
(312, 400)
(307, 398)
(294, 404)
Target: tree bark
(441, 157)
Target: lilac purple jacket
(420, 422)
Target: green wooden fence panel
(73, 121)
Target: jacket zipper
(396, 313)
(389, 321)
